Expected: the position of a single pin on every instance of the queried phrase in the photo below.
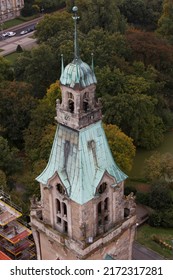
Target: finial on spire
(75, 17)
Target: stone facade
(10, 9)
(84, 236)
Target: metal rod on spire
(75, 17)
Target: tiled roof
(3, 256)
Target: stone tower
(83, 213)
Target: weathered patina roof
(81, 158)
(77, 72)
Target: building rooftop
(7, 213)
(3, 256)
(14, 232)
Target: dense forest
(132, 43)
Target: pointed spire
(62, 64)
(75, 17)
(92, 62)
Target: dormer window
(102, 188)
(60, 189)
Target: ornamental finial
(75, 17)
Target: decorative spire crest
(75, 17)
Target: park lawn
(12, 22)
(17, 21)
(12, 57)
(144, 236)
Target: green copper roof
(81, 158)
(77, 72)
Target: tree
(37, 67)
(3, 179)
(135, 115)
(165, 23)
(9, 162)
(51, 25)
(42, 125)
(150, 49)
(159, 167)
(6, 72)
(100, 13)
(160, 197)
(16, 103)
(121, 146)
(142, 13)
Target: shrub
(155, 219)
(19, 49)
(142, 198)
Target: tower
(83, 213)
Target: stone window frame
(61, 214)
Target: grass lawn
(12, 22)
(17, 21)
(144, 237)
(12, 57)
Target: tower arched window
(70, 102)
(102, 214)
(86, 102)
(61, 215)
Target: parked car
(5, 34)
(23, 32)
(11, 34)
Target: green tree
(142, 13)
(135, 115)
(16, 103)
(37, 67)
(121, 146)
(9, 162)
(165, 23)
(160, 197)
(159, 167)
(42, 125)
(99, 13)
(6, 72)
(3, 179)
(51, 25)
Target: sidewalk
(9, 46)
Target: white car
(11, 34)
(4, 34)
(23, 32)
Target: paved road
(8, 45)
(142, 253)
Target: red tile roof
(3, 256)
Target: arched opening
(106, 203)
(85, 102)
(58, 206)
(102, 188)
(71, 106)
(70, 102)
(126, 212)
(64, 206)
(60, 189)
